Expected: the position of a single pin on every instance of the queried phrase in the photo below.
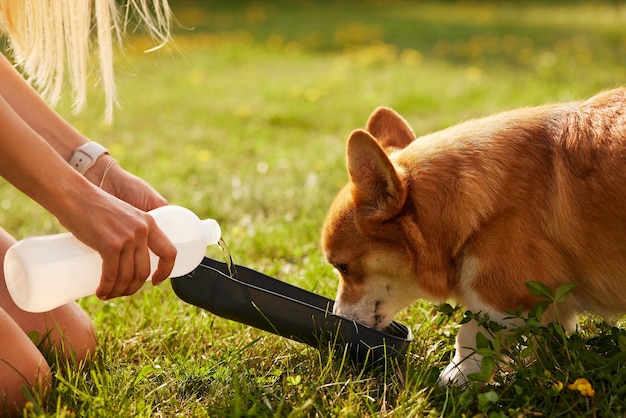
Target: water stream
(232, 271)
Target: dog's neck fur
(462, 182)
(470, 175)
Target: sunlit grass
(244, 120)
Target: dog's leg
(465, 360)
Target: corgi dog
(474, 212)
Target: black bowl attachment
(269, 304)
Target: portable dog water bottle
(45, 272)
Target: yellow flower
(557, 386)
(583, 386)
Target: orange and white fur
(473, 212)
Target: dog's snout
(341, 310)
(337, 309)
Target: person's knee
(31, 375)
(77, 335)
(84, 342)
(22, 366)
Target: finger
(134, 266)
(125, 272)
(141, 271)
(163, 248)
(110, 265)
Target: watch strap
(85, 156)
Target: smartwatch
(85, 156)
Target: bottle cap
(212, 231)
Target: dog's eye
(343, 268)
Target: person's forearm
(36, 113)
(28, 162)
(41, 118)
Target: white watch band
(86, 155)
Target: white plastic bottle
(45, 272)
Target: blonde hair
(52, 40)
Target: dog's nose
(338, 310)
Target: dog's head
(366, 235)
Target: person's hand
(124, 185)
(123, 235)
(129, 232)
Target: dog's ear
(390, 129)
(378, 187)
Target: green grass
(245, 121)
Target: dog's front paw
(457, 371)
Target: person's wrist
(98, 172)
(93, 161)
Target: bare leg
(21, 365)
(69, 328)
